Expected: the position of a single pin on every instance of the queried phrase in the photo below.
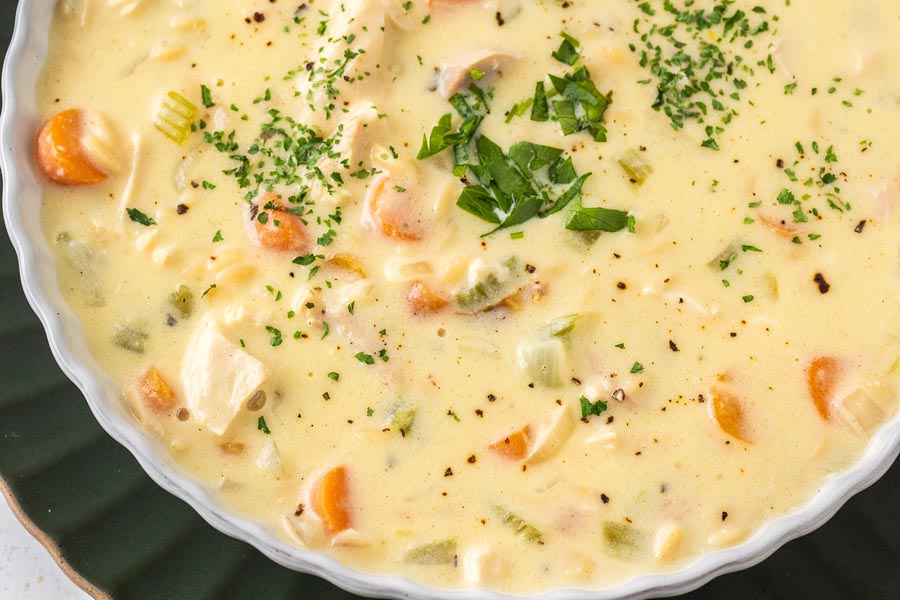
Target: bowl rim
(25, 58)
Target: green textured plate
(118, 535)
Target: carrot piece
(330, 500)
(61, 156)
(821, 379)
(727, 412)
(422, 300)
(514, 446)
(389, 210)
(274, 228)
(157, 394)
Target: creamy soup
(507, 294)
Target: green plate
(119, 535)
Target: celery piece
(175, 116)
(435, 553)
(131, 338)
(543, 359)
(725, 258)
(182, 300)
(489, 291)
(402, 421)
(83, 259)
(522, 528)
(560, 326)
(622, 539)
(635, 167)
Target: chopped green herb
(261, 426)
(139, 217)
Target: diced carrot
(157, 394)
(821, 379)
(727, 412)
(61, 156)
(273, 228)
(330, 500)
(514, 446)
(389, 209)
(422, 300)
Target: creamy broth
(343, 355)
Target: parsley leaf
(597, 218)
(588, 408)
(139, 217)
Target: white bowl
(21, 211)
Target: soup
(502, 294)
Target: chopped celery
(435, 553)
(402, 421)
(560, 326)
(582, 240)
(543, 359)
(635, 167)
(182, 300)
(131, 338)
(489, 291)
(83, 259)
(523, 528)
(175, 116)
(724, 260)
(622, 539)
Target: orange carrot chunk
(392, 211)
(61, 156)
(422, 300)
(821, 379)
(514, 446)
(727, 412)
(273, 228)
(157, 394)
(330, 500)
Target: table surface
(93, 499)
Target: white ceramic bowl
(21, 211)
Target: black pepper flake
(471, 460)
(824, 286)
(327, 396)
(604, 498)
(724, 515)
(299, 510)
(499, 17)
(531, 385)
(171, 321)
(621, 285)
(181, 209)
(530, 268)
(491, 398)
(259, 17)
(479, 412)
(448, 472)
(779, 163)
(673, 346)
(860, 226)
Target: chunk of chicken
(218, 377)
(457, 73)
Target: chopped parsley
(261, 426)
(588, 408)
(139, 217)
(366, 359)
